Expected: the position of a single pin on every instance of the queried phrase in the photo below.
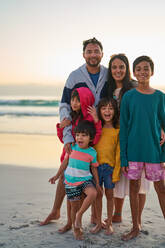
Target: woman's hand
(92, 111)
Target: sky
(41, 40)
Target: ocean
(30, 109)
(29, 113)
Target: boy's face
(83, 139)
(143, 72)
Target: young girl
(78, 178)
(141, 117)
(81, 99)
(108, 155)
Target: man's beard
(94, 64)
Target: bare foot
(109, 230)
(116, 218)
(132, 234)
(96, 229)
(65, 228)
(78, 234)
(78, 221)
(51, 216)
(93, 220)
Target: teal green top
(141, 119)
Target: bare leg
(117, 216)
(59, 197)
(93, 214)
(110, 206)
(160, 190)
(68, 225)
(98, 207)
(91, 194)
(75, 206)
(142, 200)
(134, 204)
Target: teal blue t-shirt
(141, 119)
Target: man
(91, 75)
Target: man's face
(93, 55)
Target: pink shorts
(153, 172)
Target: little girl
(108, 155)
(81, 99)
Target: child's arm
(96, 178)
(124, 118)
(60, 171)
(116, 171)
(92, 111)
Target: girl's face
(75, 104)
(107, 113)
(118, 69)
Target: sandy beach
(26, 163)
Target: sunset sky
(41, 40)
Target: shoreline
(41, 151)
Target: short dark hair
(143, 58)
(104, 102)
(86, 127)
(92, 41)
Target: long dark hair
(111, 84)
(104, 102)
(75, 115)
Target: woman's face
(118, 69)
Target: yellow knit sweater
(108, 150)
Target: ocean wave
(16, 114)
(30, 102)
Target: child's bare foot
(78, 234)
(93, 220)
(65, 228)
(116, 218)
(96, 229)
(109, 230)
(51, 216)
(132, 234)
(78, 221)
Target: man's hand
(68, 148)
(64, 123)
(52, 180)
